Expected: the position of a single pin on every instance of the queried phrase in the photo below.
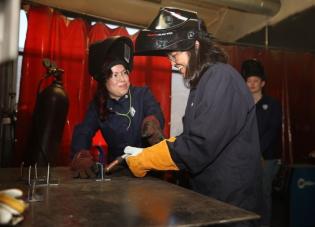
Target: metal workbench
(119, 200)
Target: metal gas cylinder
(48, 120)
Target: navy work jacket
(119, 129)
(269, 118)
(219, 145)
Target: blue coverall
(116, 130)
(219, 146)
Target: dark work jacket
(115, 129)
(269, 119)
(219, 145)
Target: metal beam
(265, 7)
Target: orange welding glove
(156, 157)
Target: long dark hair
(201, 58)
(102, 94)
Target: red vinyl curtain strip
(74, 62)
(36, 48)
(51, 35)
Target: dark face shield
(102, 55)
(172, 30)
(170, 18)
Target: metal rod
(29, 174)
(48, 173)
(266, 36)
(21, 170)
(35, 167)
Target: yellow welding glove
(156, 157)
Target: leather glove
(132, 151)
(11, 208)
(156, 157)
(151, 130)
(83, 165)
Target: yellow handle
(15, 204)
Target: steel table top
(119, 200)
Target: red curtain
(291, 80)
(51, 35)
(36, 48)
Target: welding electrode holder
(114, 163)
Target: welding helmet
(110, 52)
(172, 30)
(252, 67)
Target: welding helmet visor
(172, 30)
(105, 54)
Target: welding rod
(116, 162)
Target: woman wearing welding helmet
(122, 112)
(219, 146)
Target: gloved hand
(83, 165)
(133, 151)
(151, 130)
(156, 157)
(11, 208)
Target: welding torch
(116, 162)
(129, 150)
(121, 158)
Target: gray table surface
(120, 200)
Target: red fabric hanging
(121, 31)
(48, 36)
(159, 79)
(51, 35)
(98, 32)
(76, 81)
(138, 75)
(36, 48)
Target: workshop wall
(290, 79)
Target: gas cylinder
(48, 120)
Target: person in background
(269, 119)
(219, 146)
(124, 113)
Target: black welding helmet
(172, 30)
(252, 67)
(110, 52)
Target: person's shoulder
(226, 75)
(219, 66)
(139, 90)
(224, 70)
(271, 100)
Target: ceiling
(294, 33)
(229, 20)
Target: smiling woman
(220, 137)
(65, 41)
(179, 60)
(118, 82)
(119, 110)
